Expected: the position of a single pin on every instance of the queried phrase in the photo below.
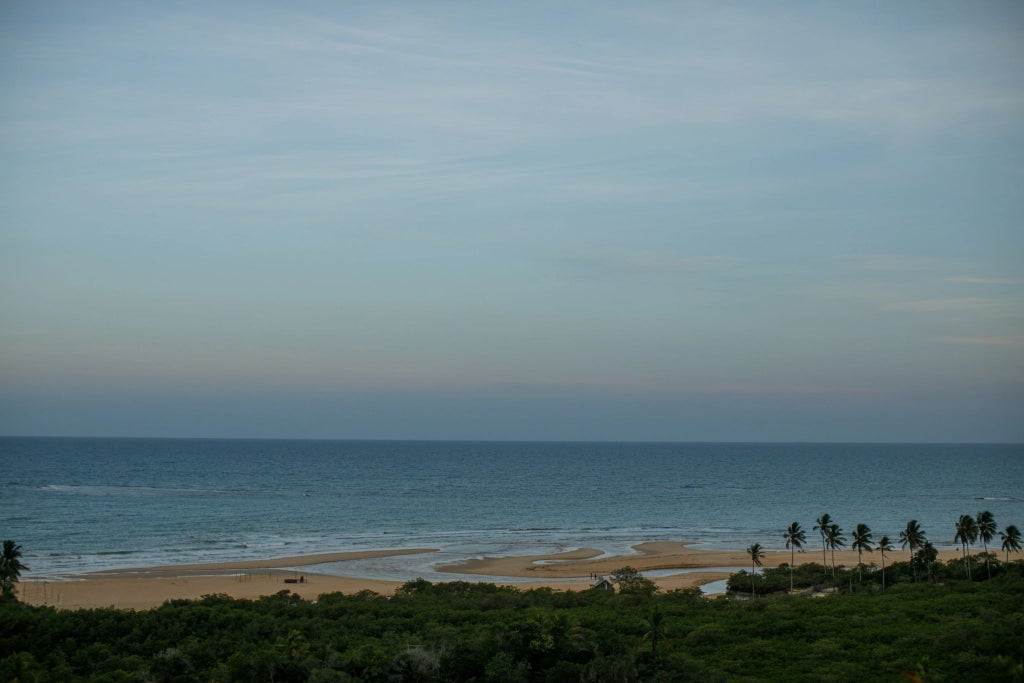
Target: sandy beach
(146, 588)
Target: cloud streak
(899, 262)
(941, 305)
(982, 341)
(963, 279)
(415, 71)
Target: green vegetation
(480, 632)
(11, 568)
(986, 524)
(834, 539)
(966, 534)
(811, 577)
(884, 546)
(632, 582)
(1011, 540)
(795, 538)
(862, 544)
(923, 556)
(822, 528)
(756, 555)
(912, 536)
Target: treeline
(814, 577)
(969, 530)
(960, 630)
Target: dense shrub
(957, 630)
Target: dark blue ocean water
(84, 504)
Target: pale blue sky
(664, 221)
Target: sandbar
(255, 565)
(662, 555)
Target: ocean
(85, 504)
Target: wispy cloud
(780, 390)
(941, 305)
(417, 70)
(856, 79)
(982, 341)
(667, 263)
(662, 388)
(922, 284)
(984, 280)
(899, 262)
(649, 263)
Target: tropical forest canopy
(941, 627)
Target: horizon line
(477, 440)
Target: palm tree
(822, 527)
(966, 533)
(835, 539)
(926, 556)
(1011, 540)
(884, 545)
(11, 567)
(861, 543)
(912, 536)
(987, 531)
(795, 539)
(756, 553)
(655, 630)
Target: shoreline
(150, 587)
(285, 562)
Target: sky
(668, 221)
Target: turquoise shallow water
(84, 504)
